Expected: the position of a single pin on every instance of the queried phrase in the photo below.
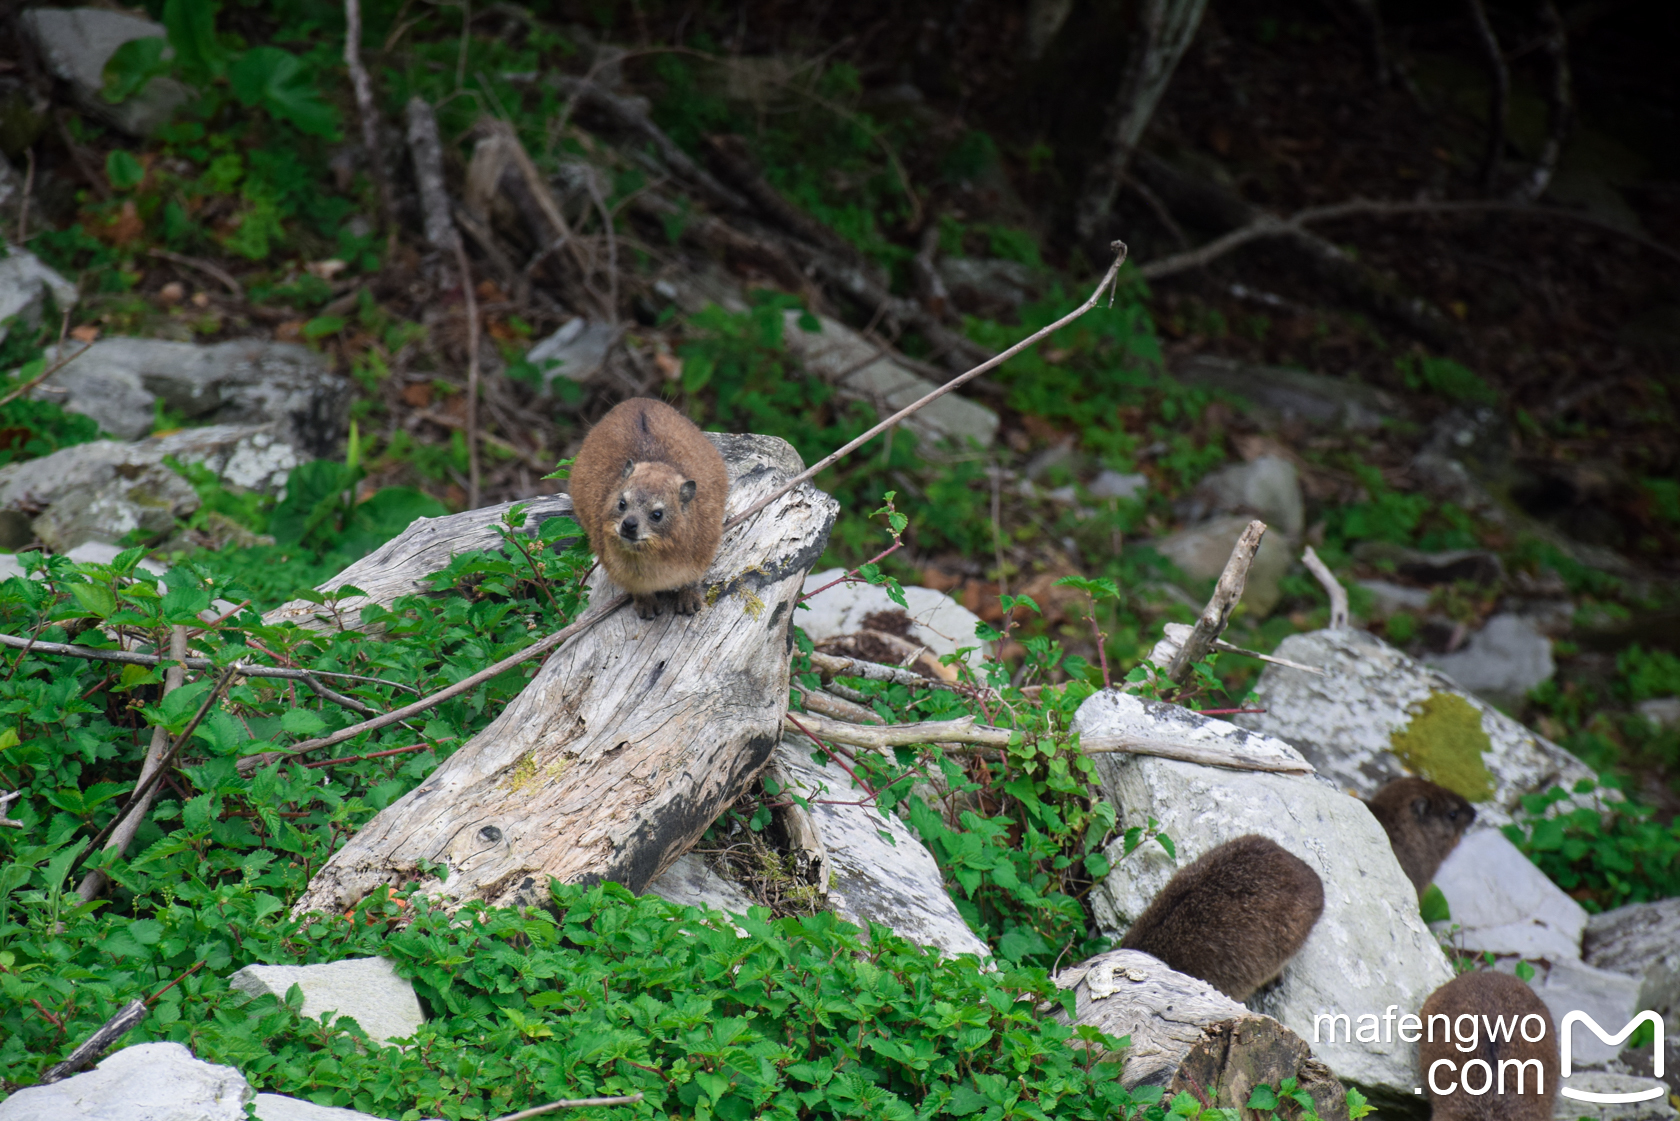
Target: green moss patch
(1444, 743)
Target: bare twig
(1561, 107)
(251, 763)
(46, 373)
(828, 461)
(572, 1103)
(1217, 613)
(96, 882)
(6, 800)
(112, 1030)
(930, 286)
(365, 109)
(208, 268)
(1332, 587)
(140, 799)
(133, 658)
(426, 148)
(821, 702)
(473, 478)
(1176, 633)
(978, 736)
(1268, 225)
(1498, 96)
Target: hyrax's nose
(627, 528)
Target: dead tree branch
(1332, 587)
(1560, 108)
(1217, 613)
(365, 109)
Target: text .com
(1468, 1032)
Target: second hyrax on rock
(1423, 822)
(1234, 917)
(1502, 1053)
(649, 489)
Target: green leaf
(322, 326)
(302, 722)
(132, 66)
(1433, 906)
(278, 81)
(123, 170)
(1357, 1106)
(96, 598)
(1262, 1098)
(697, 372)
(192, 33)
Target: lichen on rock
(1444, 742)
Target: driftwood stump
(629, 741)
(1186, 1035)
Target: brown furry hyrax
(1524, 1056)
(649, 489)
(1234, 918)
(1423, 822)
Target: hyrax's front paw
(647, 604)
(687, 600)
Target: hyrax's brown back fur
(1494, 1001)
(1423, 822)
(649, 489)
(1234, 917)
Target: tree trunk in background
(1164, 31)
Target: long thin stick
(43, 375)
(991, 363)
(570, 1103)
(472, 373)
(111, 1031)
(251, 763)
(365, 109)
(131, 658)
(966, 732)
(1217, 613)
(1332, 587)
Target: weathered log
(628, 742)
(1186, 1035)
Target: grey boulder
(118, 382)
(1377, 715)
(1606, 1082)
(1502, 661)
(1501, 902)
(576, 351)
(146, 1082)
(367, 990)
(689, 882)
(1268, 488)
(76, 43)
(1202, 550)
(1283, 397)
(1369, 950)
(25, 284)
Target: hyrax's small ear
(629, 466)
(686, 491)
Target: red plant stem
(371, 755)
(853, 574)
(151, 999)
(833, 752)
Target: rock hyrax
(1500, 1042)
(1423, 822)
(649, 489)
(1233, 917)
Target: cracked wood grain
(629, 741)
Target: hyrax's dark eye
(622, 505)
(657, 515)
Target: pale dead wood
(830, 666)
(570, 1103)
(134, 658)
(1217, 613)
(96, 882)
(89, 1049)
(1186, 1035)
(426, 148)
(1560, 107)
(471, 297)
(997, 360)
(956, 733)
(1177, 633)
(208, 268)
(1332, 587)
(6, 800)
(629, 740)
(824, 703)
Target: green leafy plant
(1606, 859)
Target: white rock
(1345, 721)
(858, 369)
(1290, 397)
(1664, 712)
(76, 43)
(277, 1107)
(365, 989)
(1568, 985)
(246, 381)
(146, 1082)
(1633, 938)
(1502, 661)
(1267, 488)
(1112, 484)
(1604, 1082)
(892, 882)
(1502, 902)
(1389, 599)
(1202, 550)
(25, 283)
(940, 623)
(688, 882)
(579, 347)
(1370, 948)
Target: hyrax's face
(646, 507)
(1443, 814)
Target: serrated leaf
(98, 599)
(302, 722)
(279, 82)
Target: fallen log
(1186, 1035)
(629, 741)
